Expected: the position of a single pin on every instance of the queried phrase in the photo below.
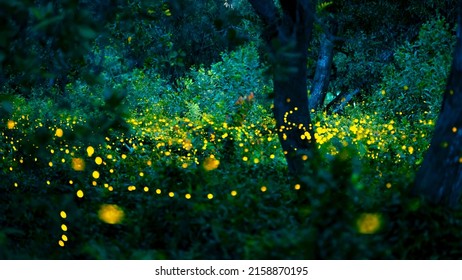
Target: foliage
(36, 47)
(413, 85)
(166, 189)
(148, 165)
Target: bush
(413, 86)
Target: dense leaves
(170, 150)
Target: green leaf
(87, 32)
(46, 22)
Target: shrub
(412, 87)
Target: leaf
(87, 32)
(45, 23)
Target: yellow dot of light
(210, 196)
(59, 132)
(63, 214)
(90, 151)
(263, 188)
(111, 214)
(63, 227)
(10, 124)
(79, 193)
(78, 164)
(95, 174)
(98, 160)
(210, 163)
(368, 223)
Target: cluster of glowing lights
(183, 142)
(64, 238)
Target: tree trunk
(439, 179)
(322, 74)
(287, 35)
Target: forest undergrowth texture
(142, 167)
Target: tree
(439, 179)
(287, 34)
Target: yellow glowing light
(184, 165)
(145, 189)
(61, 243)
(263, 188)
(158, 191)
(388, 185)
(10, 124)
(63, 214)
(405, 87)
(171, 194)
(245, 158)
(369, 223)
(63, 227)
(256, 160)
(233, 193)
(210, 163)
(131, 188)
(50, 164)
(297, 186)
(111, 214)
(95, 174)
(210, 196)
(454, 129)
(383, 92)
(410, 150)
(188, 196)
(79, 193)
(141, 174)
(59, 132)
(64, 237)
(98, 160)
(90, 151)
(304, 157)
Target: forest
(230, 129)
